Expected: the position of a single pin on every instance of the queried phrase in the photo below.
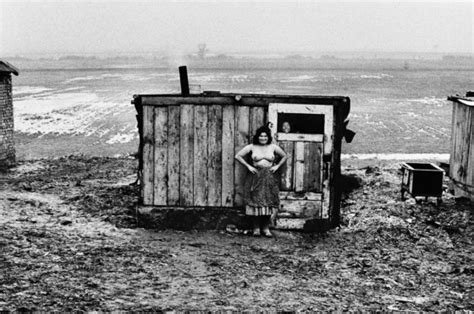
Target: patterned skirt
(261, 193)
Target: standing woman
(261, 188)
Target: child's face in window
(286, 127)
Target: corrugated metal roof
(7, 67)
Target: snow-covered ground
(433, 157)
(46, 112)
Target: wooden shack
(461, 162)
(188, 144)
(7, 142)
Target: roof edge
(10, 68)
(462, 100)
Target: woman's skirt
(261, 193)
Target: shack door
(305, 133)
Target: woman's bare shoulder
(248, 148)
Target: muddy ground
(69, 241)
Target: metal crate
(422, 179)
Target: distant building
(7, 145)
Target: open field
(70, 241)
(71, 106)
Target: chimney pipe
(183, 78)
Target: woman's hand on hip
(252, 169)
(274, 169)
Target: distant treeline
(223, 61)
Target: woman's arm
(240, 157)
(282, 154)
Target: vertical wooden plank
(461, 133)
(453, 159)
(462, 149)
(147, 175)
(214, 148)
(470, 165)
(186, 155)
(241, 139)
(299, 166)
(228, 152)
(201, 184)
(312, 166)
(273, 117)
(173, 155)
(257, 119)
(452, 156)
(326, 190)
(318, 166)
(328, 129)
(160, 179)
(465, 148)
(286, 181)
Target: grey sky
(85, 27)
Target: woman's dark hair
(260, 130)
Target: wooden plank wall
(189, 151)
(242, 131)
(470, 165)
(462, 144)
(201, 185)
(173, 155)
(186, 156)
(228, 161)
(148, 164)
(299, 165)
(214, 166)
(286, 182)
(313, 153)
(160, 156)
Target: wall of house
(188, 153)
(461, 170)
(7, 146)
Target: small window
(300, 123)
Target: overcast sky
(103, 26)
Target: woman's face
(263, 138)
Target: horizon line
(217, 52)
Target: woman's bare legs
(265, 223)
(256, 225)
(261, 223)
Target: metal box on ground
(422, 179)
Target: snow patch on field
(123, 77)
(122, 138)
(375, 76)
(66, 113)
(430, 101)
(239, 78)
(434, 157)
(24, 90)
(299, 78)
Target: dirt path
(68, 241)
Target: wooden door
(304, 184)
